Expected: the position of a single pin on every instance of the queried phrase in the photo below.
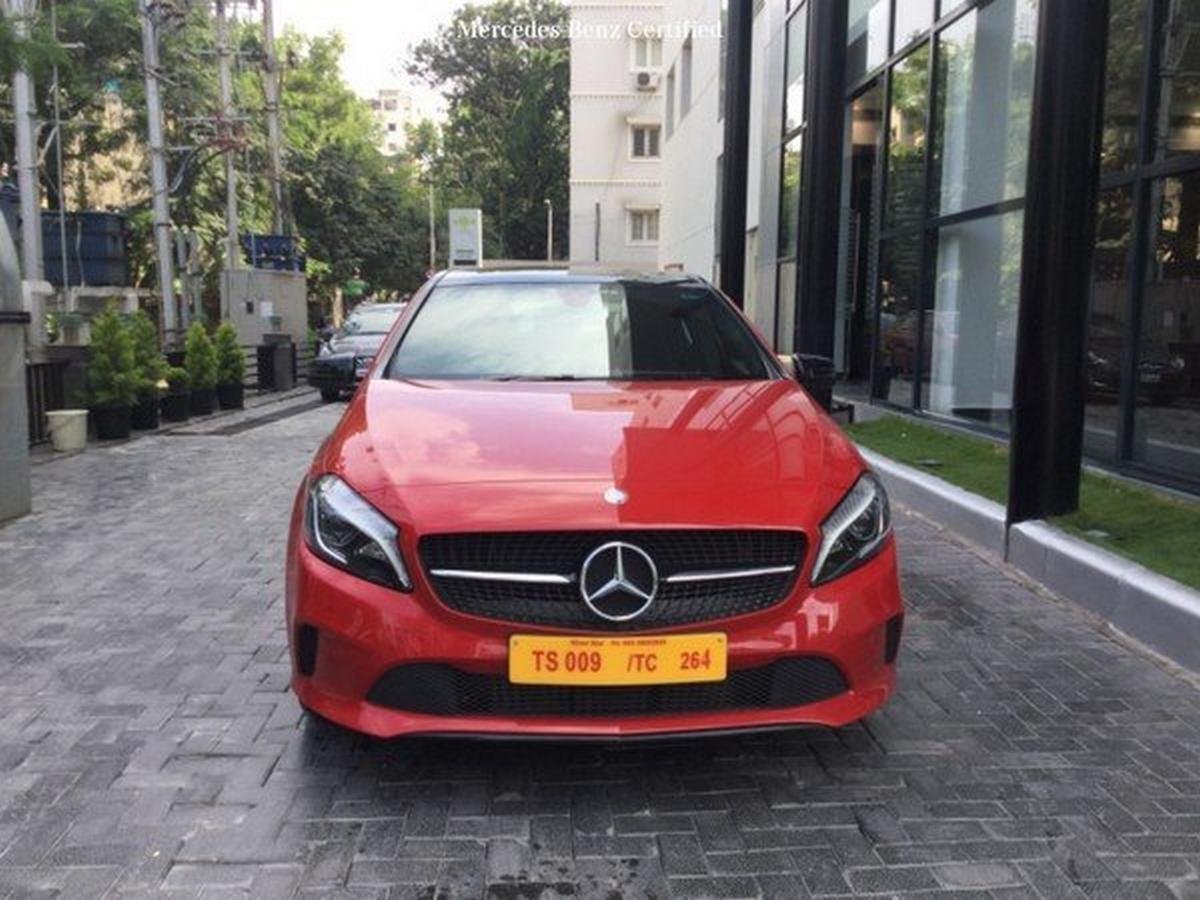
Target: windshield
(371, 321)
(578, 331)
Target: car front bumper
(339, 371)
(355, 633)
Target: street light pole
(549, 229)
(158, 173)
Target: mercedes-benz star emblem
(618, 581)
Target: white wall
(690, 154)
(604, 100)
(766, 133)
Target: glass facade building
(938, 103)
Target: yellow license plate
(600, 661)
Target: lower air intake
(442, 690)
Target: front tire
(330, 394)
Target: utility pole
(432, 229)
(21, 12)
(15, 494)
(158, 171)
(549, 229)
(226, 128)
(271, 88)
(58, 159)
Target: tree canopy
(358, 214)
(353, 210)
(504, 145)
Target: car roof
(563, 276)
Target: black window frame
(930, 223)
(1140, 178)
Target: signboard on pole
(466, 237)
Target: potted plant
(69, 328)
(175, 403)
(112, 376)
(200, 360)
(231, 368)
(150, 367)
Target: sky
(378, 34)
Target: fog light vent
(891, 638)
(306, 649)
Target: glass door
(860, 197)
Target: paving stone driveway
(148, 741)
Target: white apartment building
(394, 110)
(616, 132)
(693, 129)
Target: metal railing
(250, 371)
(305, 354)
(302, 357)
(43, 393)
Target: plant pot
(231, 396)
(68, 429)
(112, 422)
(145, 412)
(174, 407)
(204, 401)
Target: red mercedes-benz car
(566, 504)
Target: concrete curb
(1151, 608)
(1154, 609)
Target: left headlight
(855, 529)
(347, 532)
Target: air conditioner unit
(646, 81)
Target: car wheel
(329, 394)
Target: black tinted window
(577, 330)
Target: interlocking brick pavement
(148, 741)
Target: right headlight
(347, 532)
(855, 529)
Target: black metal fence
(43, 393)
(250, 372)
(302, 356)
(305, 354)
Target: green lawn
(1149, 527)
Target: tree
(505, 142)
(149, 363)
(112, 373)
(200, 358)
(329, 136)
(359, 213)
(231, 364)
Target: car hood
(456, 455)
(358, 344)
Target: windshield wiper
(562, 377)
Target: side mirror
(816, 375)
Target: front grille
(563, 553)
(441, 690)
